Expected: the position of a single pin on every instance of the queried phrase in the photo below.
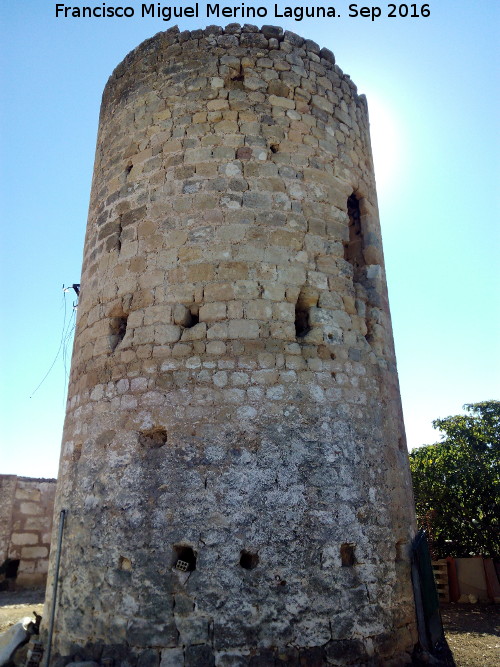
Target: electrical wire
(67, 340)
(67, 330)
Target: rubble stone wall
(234, 463)
(26, 509)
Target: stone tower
(234, 466)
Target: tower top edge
(232, 36)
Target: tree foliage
(456, 483)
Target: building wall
(25, 526)
(233, 463)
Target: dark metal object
(54, 590)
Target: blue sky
(433, 94)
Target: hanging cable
(67, 339)
(67, 329)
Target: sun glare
(387, 143)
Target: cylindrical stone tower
(234, 466)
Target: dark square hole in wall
(184, 558)
(249, 560)
(347, 556)
(193, 319)
(10, 568)
(186, 316)
(117, 331)
(9, 571)
(308, 297)
(154, 437)
(302, 326)
(236, 80)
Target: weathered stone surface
(199, 656)
(231, 467)
(26, 509)
(172, 657)
(150, 658)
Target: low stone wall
(26, 509)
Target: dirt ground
(472, 631)
(14, 605)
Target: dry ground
(472, 631)
(14, 605)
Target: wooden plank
(440, 570)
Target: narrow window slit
(354, 253)
(308, 297)
(353, 249)
(119, 237)
(347, 555)
(117, 330)
(368, 334)
(302, 326)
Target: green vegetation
(457, 484)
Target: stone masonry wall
(26, 509)
(233, 465)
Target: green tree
(456, 483)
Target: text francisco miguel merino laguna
(216, 10)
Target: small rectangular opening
(117, 330)
(347, 555)
(184, 558)
(353, 249)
